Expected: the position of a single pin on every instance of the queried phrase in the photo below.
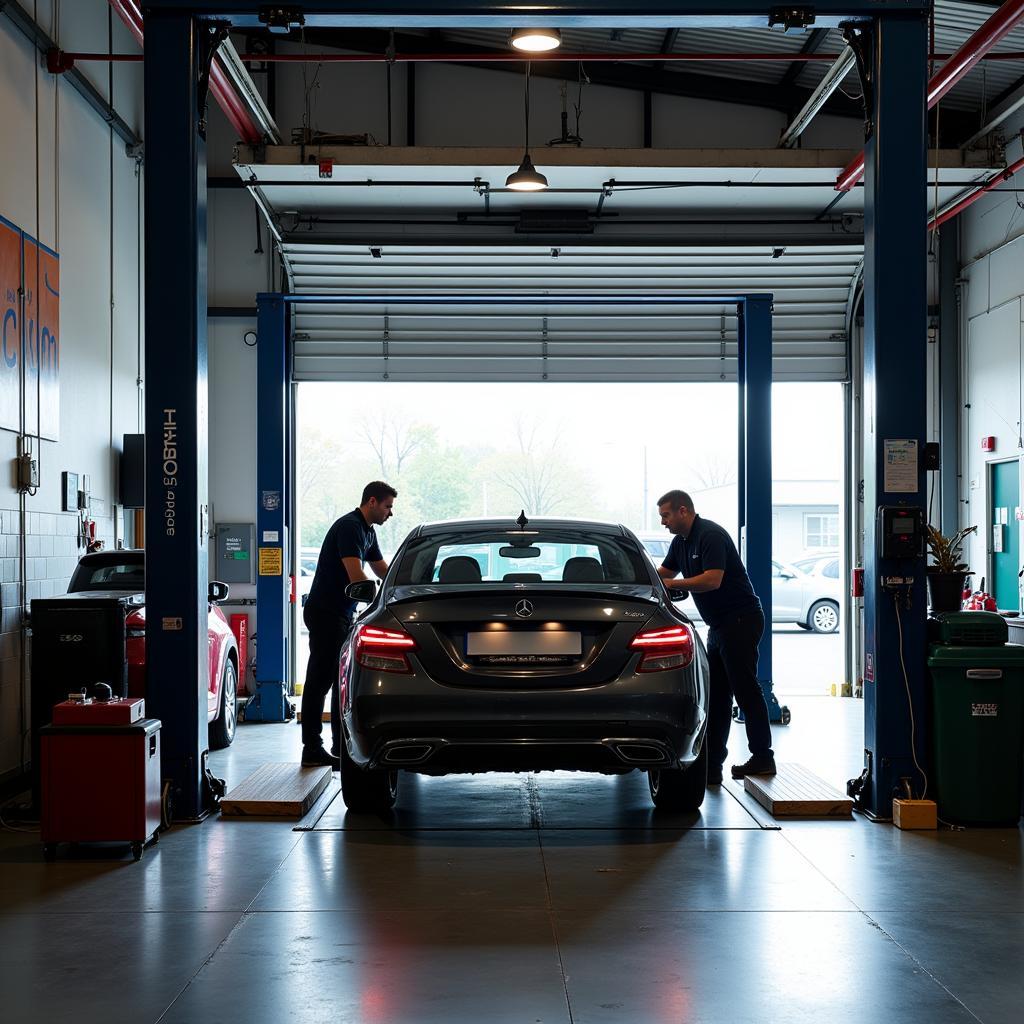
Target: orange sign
(30, 326)
(10, 321)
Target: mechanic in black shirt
(350, 543)
(705, 556)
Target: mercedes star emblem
(524, 609)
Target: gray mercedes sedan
(525, 645)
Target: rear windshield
(535, 556)
(120, 576)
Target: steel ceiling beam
(562, 14)
(815, 41)
(1004, 106)
(826, 87)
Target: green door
(1005, 533)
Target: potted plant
(947, 572)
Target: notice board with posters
(29, 333)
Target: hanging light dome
(526, 178)
(536, 40)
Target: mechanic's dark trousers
(732, 659)
(327, 634)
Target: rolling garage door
(489, 316)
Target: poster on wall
(29, 333)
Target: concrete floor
(552, 898)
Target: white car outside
(810, 599)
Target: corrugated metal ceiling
(955, 23)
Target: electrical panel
(235, 553)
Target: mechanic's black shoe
(714, 776)
(754, 766)
(319, 758)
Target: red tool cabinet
(100, 781)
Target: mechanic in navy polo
(703, 554)
(350, 544)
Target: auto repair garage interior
(205, 205)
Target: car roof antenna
(522, 522)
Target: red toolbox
(116, 711)
(100, 782)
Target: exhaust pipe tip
(641, 753)
(408, 753)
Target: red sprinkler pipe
(988, 35)
(220, 86)
(958, 207)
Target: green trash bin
(978, 732)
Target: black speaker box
(133, 470)
(77, 640)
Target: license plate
(523, 643)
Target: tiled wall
(51, 554)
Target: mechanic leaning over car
(703, 552)
(350, 543)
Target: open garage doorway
(590, 450)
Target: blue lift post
(176, 408)
(895, 347)
(754, 379)
(270, 701)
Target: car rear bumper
(641, 721)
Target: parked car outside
(825, 563)
(811, 599)
(124, 572)
(496, 646)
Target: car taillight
(384, 649)
(135, 624)
(671, 647)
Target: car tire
(823, 617)
(680, 789)
(368, 790)
(222, 728)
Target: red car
(124, 572)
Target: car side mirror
(678, 595)
(787, 575)
(217, 592)
(363, 590)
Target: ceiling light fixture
(526, 178)
(536, 40)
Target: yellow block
(914, 814)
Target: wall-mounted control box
(235, 561)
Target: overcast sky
(686, 428)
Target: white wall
(993, 327)
(98, 396)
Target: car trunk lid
(526, 636)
